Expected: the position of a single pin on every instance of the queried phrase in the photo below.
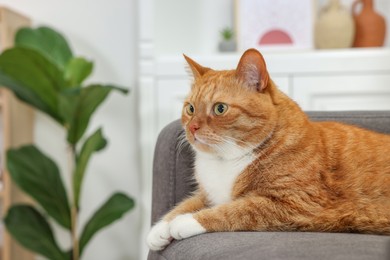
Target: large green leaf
(47, 41)
(111, 211)
(77, 70)
(38, 176)
(33, 78)
(94, 143)
(31, 230)
(67, 105)
(81, 107)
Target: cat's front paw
(184, 226)
(159, 236)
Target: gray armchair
(172, 181)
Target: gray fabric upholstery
(282, 245)
(172, 181)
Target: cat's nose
(193, 128)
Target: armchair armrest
(172, 170)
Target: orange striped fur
(305, 176)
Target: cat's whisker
(182, 143)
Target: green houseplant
(42, 72)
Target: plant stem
(74, 233)
(74, 210)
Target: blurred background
(310, 47)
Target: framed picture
(274, 24)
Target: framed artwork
(274, 24)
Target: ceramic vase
(227, 46)
(370, 26)
(334, 27)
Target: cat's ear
(197, 70)
(252, 70)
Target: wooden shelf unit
(16, 129)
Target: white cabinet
(343, 92)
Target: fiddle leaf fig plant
(42, 71)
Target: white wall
(104, 31)
(190, 26)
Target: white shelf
(281, 63)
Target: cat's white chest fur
(217, 176)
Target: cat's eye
(220, 109)
(190, 109)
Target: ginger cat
(261, 165)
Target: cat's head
(229, 113)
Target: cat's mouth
(201, 143)
(198, 140)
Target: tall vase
(370, 26)
(334, 27)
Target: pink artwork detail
(275, 36)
